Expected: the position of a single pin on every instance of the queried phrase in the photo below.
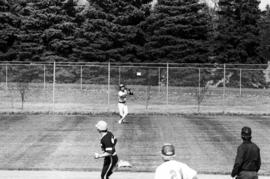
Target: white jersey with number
(174, 170)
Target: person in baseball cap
(122, 103)
(167, 152)
(171, 168)
(121, 86)
(248, 160)
(102, 126)
(107, 143)
(246, 133)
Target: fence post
(224, 87)
(109, 79)
(54, 66)
(6, 76)
(167, 86)
(44, 77)
(240, 82)
(159, 80)
(119, 74)
(81, 76)
(199, 82)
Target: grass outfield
(206, 143)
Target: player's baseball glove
(130, 92)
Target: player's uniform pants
(123, 109)
(247, 175)
(108, 166)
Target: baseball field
(62, 146)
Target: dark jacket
(247, 159)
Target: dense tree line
(134, 31)
(265, 33)
(238, 37)
(177, 31)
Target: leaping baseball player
(122, 102)
(172, 169)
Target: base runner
(107, 142)
(171, 169)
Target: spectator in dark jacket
(248, 159)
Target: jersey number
(175, 175)
(112, 140)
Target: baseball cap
(122, 85)
(246, 131)
(168, 150)
(102, 125)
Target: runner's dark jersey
(108, 142)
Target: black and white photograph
(134, 89)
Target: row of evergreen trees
(183, 31)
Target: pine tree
(177, 31)
(9, 24)
(44, 30)
(51, 23)
(265, 34)
(238, 37)
(110, 31)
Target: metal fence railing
(161, 88)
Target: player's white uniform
(174, 170)
(122, 106)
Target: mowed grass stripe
(206, 143)
(137, 141)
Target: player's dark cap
(168, 150)
(246, 132)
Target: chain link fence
(157, 87)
